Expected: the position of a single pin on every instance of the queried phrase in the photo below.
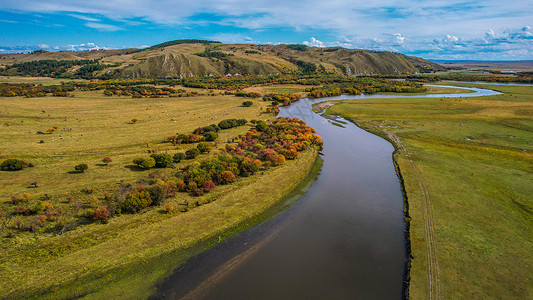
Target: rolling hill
(184, 58)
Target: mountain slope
(184, 58)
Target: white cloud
(103, 27)
(43, 46)
(314, 43)
(83, 47)
(84, 18)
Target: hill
(184, 58)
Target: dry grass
(127, 256)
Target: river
(344, 239)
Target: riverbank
(466, 168)
(128, 256)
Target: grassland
(127, 256)
(473, 158)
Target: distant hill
(184, 58)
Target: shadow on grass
(75, 172)
(101, 165)
(134, 168)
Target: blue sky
(437, 29)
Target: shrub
(260, 126)
(228, 123)
(162, 160)
(241, 122)
(147, 163)
(204, 147)
(192, 153)
(209, 186)
(13, 164)
(158, 193)
(227, 177)
(136, 201)
(247, 103)
(178, 157)
(81, 168)
(138, 161)
(15, 199)
(106, 160)
(210, 136)
(102, 214)
(168, 208)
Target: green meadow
(470, 160)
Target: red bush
(102, 214)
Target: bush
(81, 168)
(102, 214)
(158, 193)
(178, 157)
(210, 136)
(241, 122)
(247, 103)
(204, 147)
(192, 153)
(228, 123)
(147, 163)
(136, 201)
(260, 126)
(227, 177)
(209, 186)
(162, 160)
(106, 160)
(13, 164)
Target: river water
(344, 239)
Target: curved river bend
(344, 239)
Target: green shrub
(178, 157)
(204, 147)
(162, 160)
(192, 153)
(158, 193)
(81, 168)
(260, 126)
(147, 163)
(210, 136)
(228, 123)
(241, 122)
(13, 164)
(136, 201)
(247, 103)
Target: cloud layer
(396, 25)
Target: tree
(247, 103)
(81, 168)
(106, 160)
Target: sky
(432, 29)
